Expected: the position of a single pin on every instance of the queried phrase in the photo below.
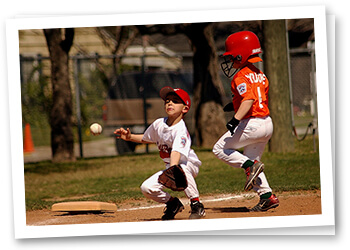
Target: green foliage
(115, 179)
(36, 97)
(93, 93)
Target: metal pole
(314, 94)
(290, 78)
(143, 83)
(143, 92)
(77, 97)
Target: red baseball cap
(179, 92)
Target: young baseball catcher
(174, 144)
(251, 126)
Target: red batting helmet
(240, 47)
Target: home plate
(84, 206)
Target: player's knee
(148, 190)
(217, 150)
(145, 189)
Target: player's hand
(232, 124)
(228, 107)
(124, 134)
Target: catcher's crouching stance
(174, 144)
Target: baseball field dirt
(219, 206)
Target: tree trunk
(62, 139)
(276, 70)
(208, 90)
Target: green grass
(115, 179)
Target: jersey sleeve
(182, 143)
(150, 134)
(244, 88)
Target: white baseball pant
(152, 189)
(252, 134)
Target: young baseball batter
(251, 126)
(174, 144)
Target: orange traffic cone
(28, 145)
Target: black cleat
(172, 208)
(197, 210)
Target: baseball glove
(174, 178)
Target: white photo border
(327, 218)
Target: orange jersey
(250, 83)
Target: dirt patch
(224, 206)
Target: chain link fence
(92, 90)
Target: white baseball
(95, 129)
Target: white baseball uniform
(254, 130)
(168, 139)
(252, 134)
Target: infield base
(83, 206)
